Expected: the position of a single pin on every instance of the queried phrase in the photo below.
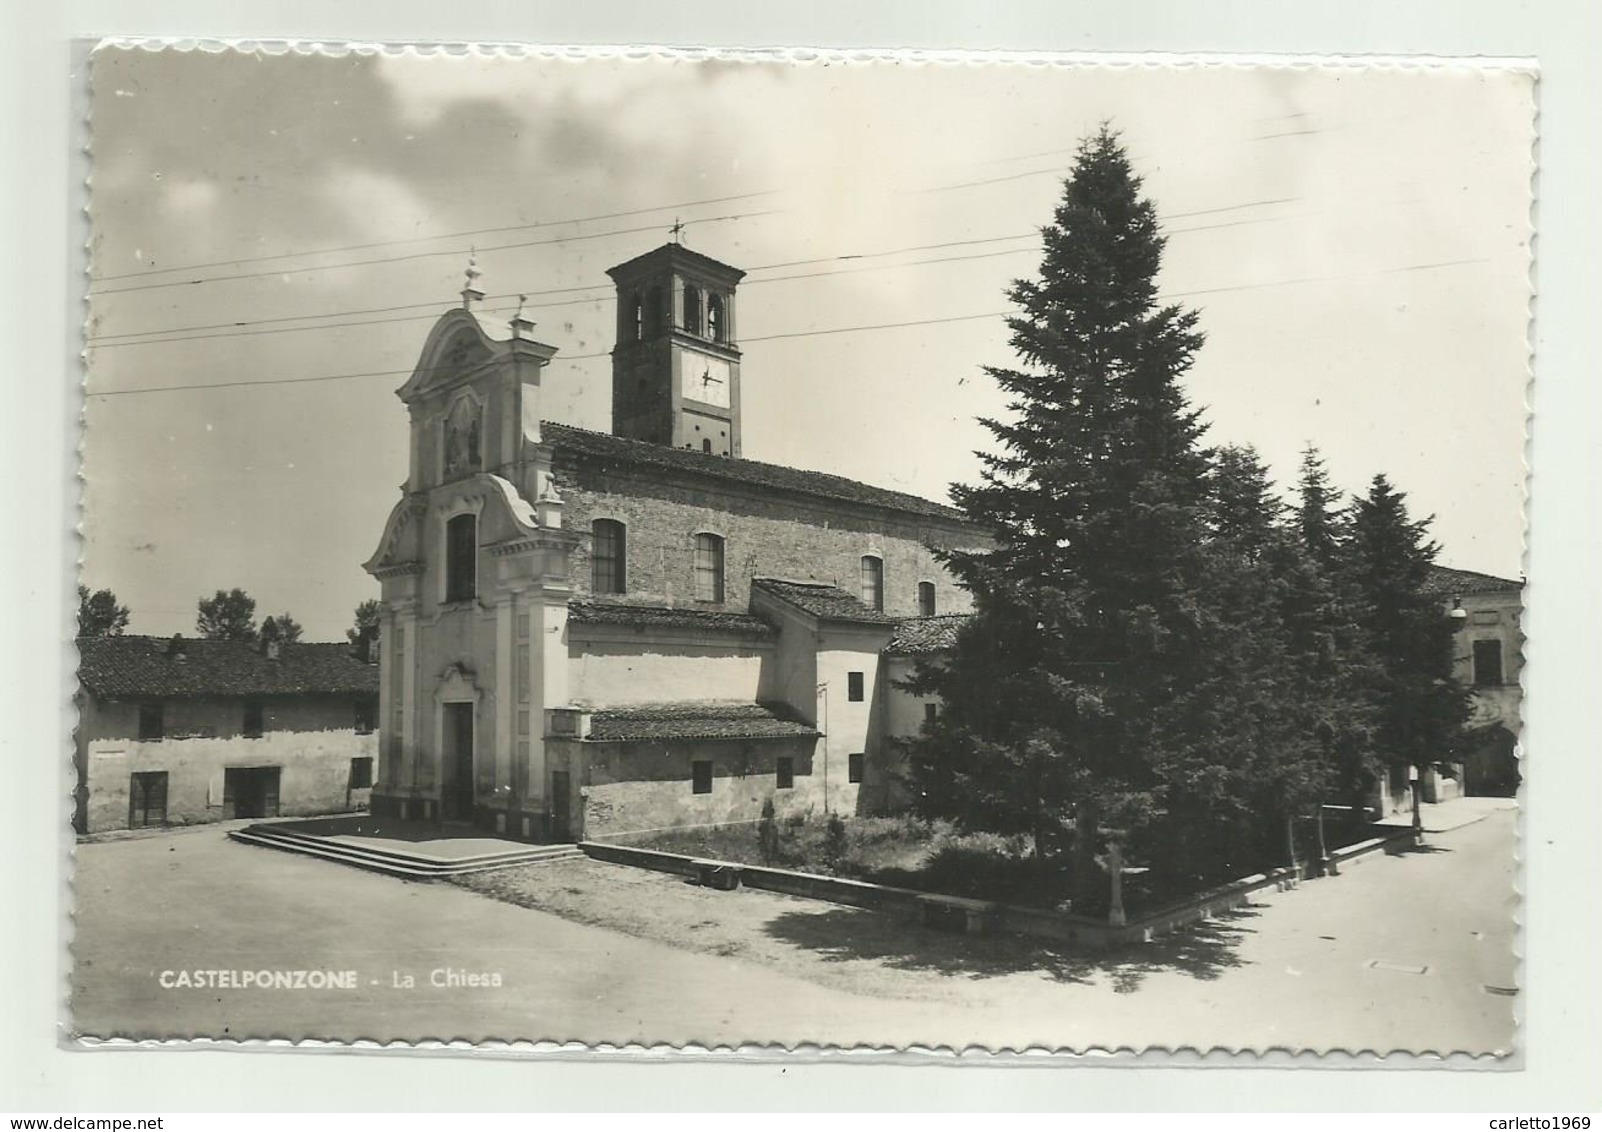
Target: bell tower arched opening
(676, 365)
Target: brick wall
(767, 534)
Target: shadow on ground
(1202, 951)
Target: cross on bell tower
(676, 368)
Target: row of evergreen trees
(1163, 652)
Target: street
(1412, 952)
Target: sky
(273, 236)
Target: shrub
(834, 841)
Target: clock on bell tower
(676, 368)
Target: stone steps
(398, 862)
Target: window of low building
(147, 799)
(366, 708)
(926, 599)
(461, 558)
(1488, 663)
(255, 720)
(854, 687)
(854, 767)
(708, 568)
(873, 582)
(784, 775)
(701, 776)
(152, 723)
(608, 555)
(931, 712)
(361, 773)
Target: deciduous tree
(99, 615)
(229, 615)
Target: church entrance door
(457, 802)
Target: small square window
(931, 712)
(854, 687)
(701, 776)
(366, 715)
(151, 724)
(254, 719)
(361, 773)
(784, 774)
(854, 768)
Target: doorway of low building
(457, 802)
(561, 806)
(147, 799)
(251, 791)
(1491, 765)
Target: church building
(588, 634)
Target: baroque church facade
(588, 634)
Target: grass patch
(934, 856)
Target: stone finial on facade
(471, 293)
(522, 326)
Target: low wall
(979, 915)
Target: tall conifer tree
(1086, 618)
(1421, 706)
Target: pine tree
(1327, 612)
(1085, 617)
(1421, 707)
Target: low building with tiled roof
(175, 731)
(824, 601)
(665, 722)
(923, 636)
(165, 668)
(1444, 581)
(586, 633)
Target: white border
(1561, 1045)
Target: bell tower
(676, 368)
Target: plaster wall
(635, 787)
(311, 738)
(852, 727)
(1493, 617)
(608, 672)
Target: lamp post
(1414, 776)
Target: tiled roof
(917, 636)
(617, 450)
(697, 721)
(143, 666)
(824, 601)
(1446, 582)
(656, 617)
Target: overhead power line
(437, 236)
(421, 255)
(238, 327)
(97, 344)
(775, 337)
